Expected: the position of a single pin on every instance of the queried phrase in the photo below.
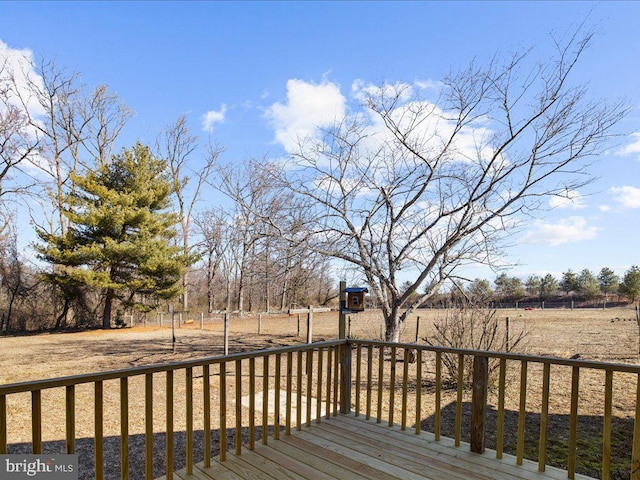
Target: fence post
(259, 323)
(345, 355)
(201, 320)
(226, 333)
(310, 325)
(298, 334)
(506, 339)
(479, 403)
(417, 328)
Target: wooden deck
(350, 448)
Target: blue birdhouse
(355, 298)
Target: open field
(603, 335)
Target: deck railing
(513, 379)
(220, 403)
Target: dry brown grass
(609, 335)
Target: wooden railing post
(479, 403)
(345, 378)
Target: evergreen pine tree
(119, 238)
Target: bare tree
(76, 130)
(17, 143)
(426, 186)
(212, 229)
(177, 146)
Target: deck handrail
(568, 362)
(332, 385)
(22, 387)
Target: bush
(472, 328)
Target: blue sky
(250, 73)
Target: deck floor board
(346, 447)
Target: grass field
(603, 335)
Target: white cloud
(308, 107)
(605, 208)
(212, 117)
(633, 148)
(19, 64)
(627, 196)
(571, 229)
(571, 199)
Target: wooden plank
(309, 370)
(318, 459)
(418, 391)
(169, 419)
(319, 389)
(206, 399)
(521, 412)
(544, 418)
(438, 400)
(635, 451)
(299, 391)
(124, 429)
(446, 446)
(252, 403)
(394, 453)
(70, 419)
(369, 379)
(268, 468)
(606, 427)
(299, 311)
(348, 467)
(357, 449)
(356, 452)
(380, 383)
(36, 422)
(287, 429)
(358, 377)
(405, 383)
(265, 400)
(392, 385)
(148, 425)
(99, 430)
(189, 419)
(238, 402)
(3, 425)
(458, 428)
(479, 403)
(573, 423)
(291, 464)
(218, 471)
(222, 437)
(501, 392)
(276, 399)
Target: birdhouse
(355, 298)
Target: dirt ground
(596, 334)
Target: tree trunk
(106, 314)
(392, 332)
(63, 315)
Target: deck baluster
(206, 414)
(169, 421)
(148, 430)
(573, 422)
(502, 380)
(99, 433)
(544, 418)
(124, 428)
(70, 418)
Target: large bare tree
(425, 184)
(177, 146)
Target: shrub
(472, 328)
